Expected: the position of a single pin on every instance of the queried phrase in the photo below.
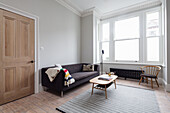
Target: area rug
(124, 99)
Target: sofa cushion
(73, 68)
(88, 68)
(81, 75)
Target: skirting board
(41, 88)
(166, 86)
(160, 80)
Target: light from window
(106, 31)
(152, 36)
(127, 50)
(152, 25)
(133, 38)
(127, 28)
(153, 49)
(105, 47)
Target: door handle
(32, 61)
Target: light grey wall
(59, 30)
(87, 39)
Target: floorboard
(47, 101)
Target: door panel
(9, 36)
(9, 75)
(24, 38)
(9, 82)
(16, 52)
(24, 78)
(9, 23)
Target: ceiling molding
(90, 11)
(75, 9)
(98, 13)
(139, 6)
(70, 6)
(87, 14)
(132, 8)
(73, 5)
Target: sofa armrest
(57, 84)
(97, 68)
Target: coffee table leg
(115, 83)
(92, 89)
(105, 92)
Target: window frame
(114, 40)
(142, 37)
(158, 9)
(100, 39)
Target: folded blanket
(52, 73)
(68, 78)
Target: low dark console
(126, 73)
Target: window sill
(134, 63)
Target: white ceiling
(104, 6)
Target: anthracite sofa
(76, 72)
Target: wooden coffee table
(103, 84)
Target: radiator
(126, 73)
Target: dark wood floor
(46, 101)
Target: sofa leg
(44, 88)
(61, 93)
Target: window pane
(127, 50)
(152, 24)
(153, 49)
(128, 28)
(105, 47)
(106, 32)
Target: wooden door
(16, 54)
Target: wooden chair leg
(92, 89)
(115, 83)
(105, 92)
(140, 80)
(147, 80)
(156, 82)
(151, 83)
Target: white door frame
(37, 54)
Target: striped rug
(124, 99)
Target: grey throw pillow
(88, 67)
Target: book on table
(107, 78)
